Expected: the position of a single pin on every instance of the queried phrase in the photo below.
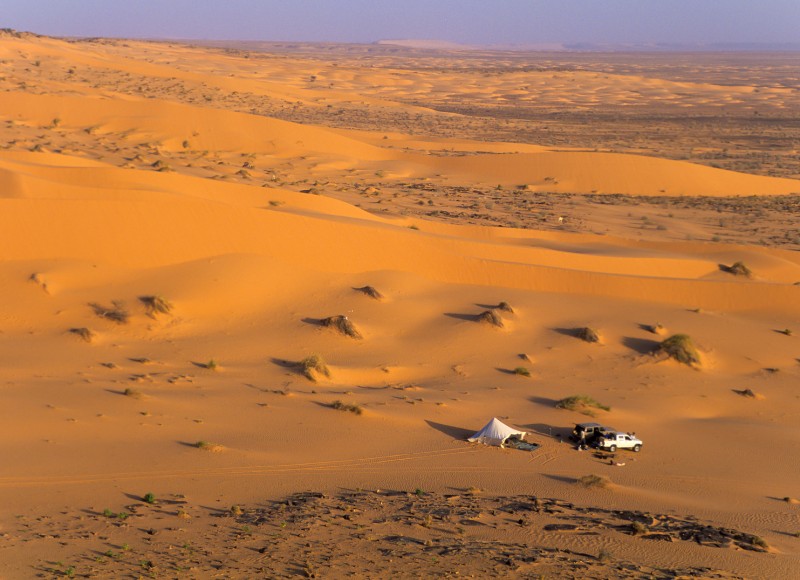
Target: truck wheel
(637, 448)
(612, 448)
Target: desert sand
(178, 222)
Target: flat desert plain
(254, 297)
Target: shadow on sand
(640, 345)
(458, 433)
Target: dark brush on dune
(156, 305)
(84, 333)
(343, 325)
(370, 291)
(681, 348)
(588, 334)
(491, 317)
(115, 313)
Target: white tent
(495, 433)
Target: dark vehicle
(589, 432)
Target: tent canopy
(495, 433)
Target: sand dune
(611, 173)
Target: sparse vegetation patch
(156, 305)
(115, 313)
(208, 446)
(84, 333)
(371, 292)
(313, 365)
(343, 325)
(582, 404)
(588, 334)
(491, 317)
(739, 269)
(681, 348)
(594, 481)
(341, 406)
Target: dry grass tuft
(207, 446)
(739, 269)
(588, 334)
(638, 528)
(341, 406)
(116, 313)
(505, 307)
(583, 404)
(656, 328)
(343, 325)
(491, 317)
(313, 365)
(371, 292)
(156, 305)
(594, 481)
(681, 348)
(84, 333)
(38, 279)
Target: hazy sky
(466, 21)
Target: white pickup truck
(615, 440)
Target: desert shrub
(341, 406)
(588, 334)
(656, 328)
(371, 292)
(38, 279)
(84, 333)
(313, 365)
(132, 393)
(681, 348)
(208, 446)
(505, 307)
(211, 365)
(522, 371)
(156, 305)
(739, 269)
(604, 556)
(115, 313)
(581, 403)
(149, 498)
(343, 325)
(593, 481)
(491, 317)
(638, 528)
